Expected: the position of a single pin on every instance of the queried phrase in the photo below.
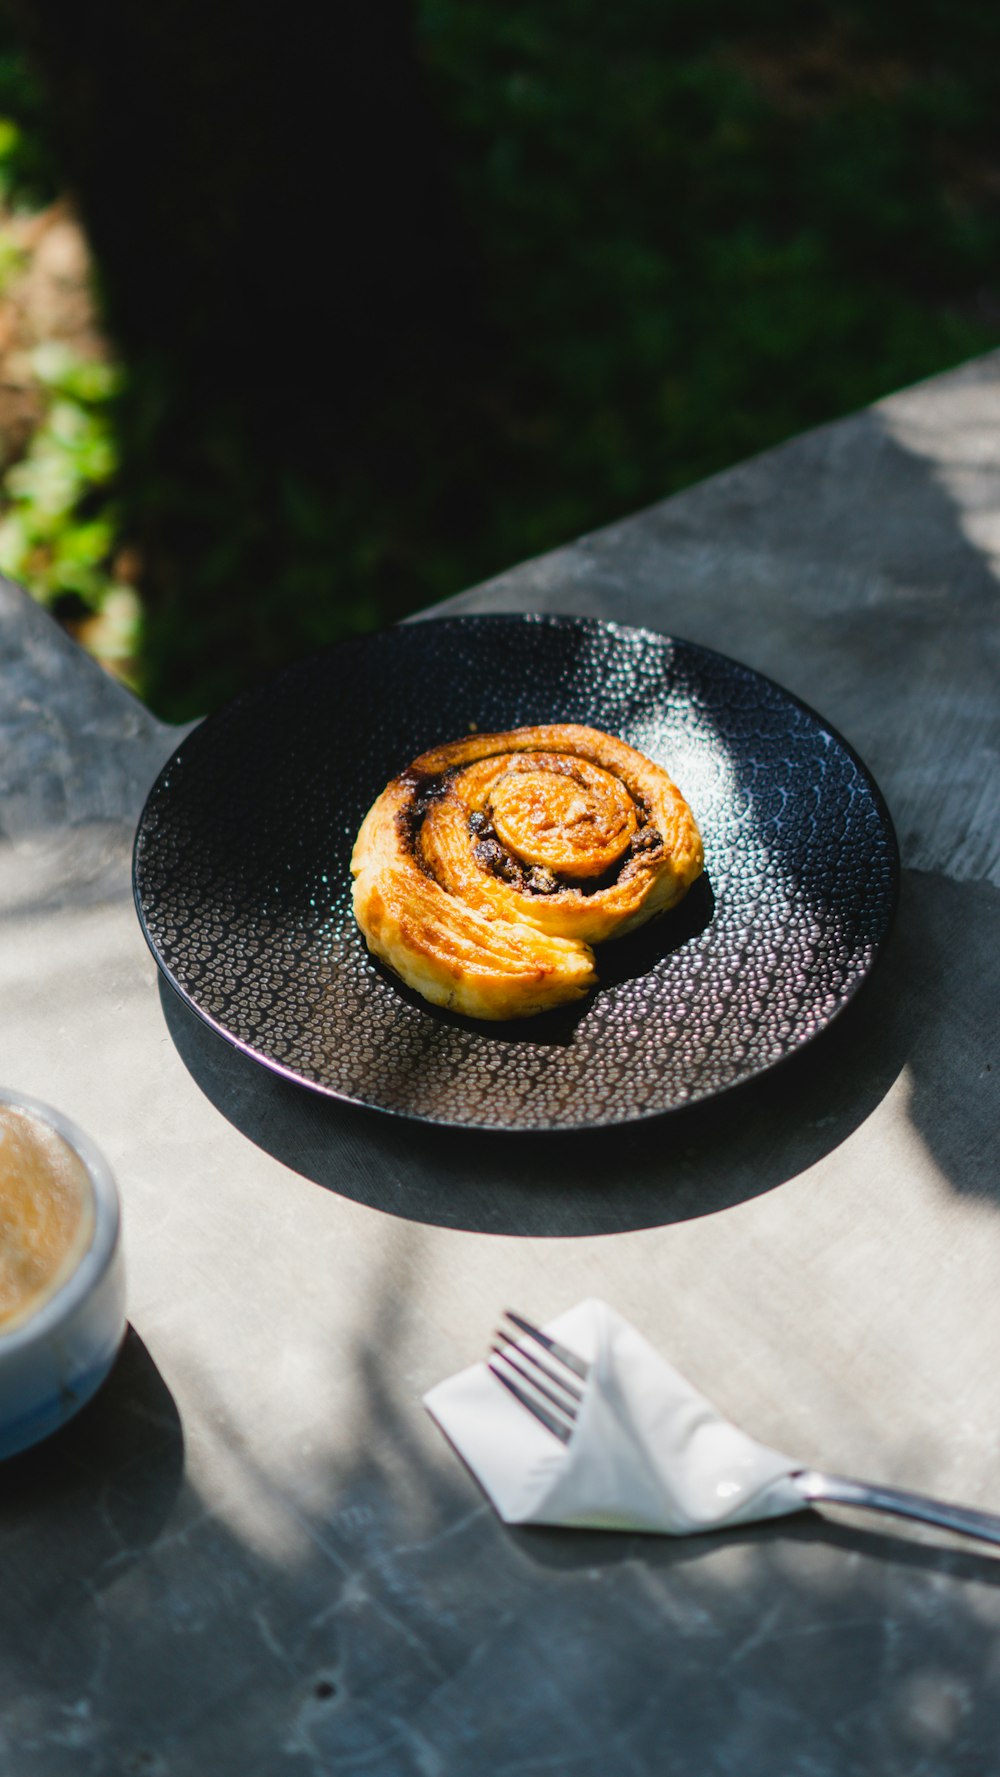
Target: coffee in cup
(46, 1213)
(62, 1275)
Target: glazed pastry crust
(485, 872)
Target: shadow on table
(371, 1605)
(411, 1618)
(95, 1495)
(690, 1163)
(904, 1547)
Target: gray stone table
(254, 1553)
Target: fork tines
(546, 1387)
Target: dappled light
(655, 242)
(266, 1542)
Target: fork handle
(839, 1490)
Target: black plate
(242, 880)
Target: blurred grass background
(300, 332)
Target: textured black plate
(242, 875)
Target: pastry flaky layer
(486, 870)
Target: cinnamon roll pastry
(485, 872)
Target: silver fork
(550, 1387)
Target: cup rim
(97, 1255)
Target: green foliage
(698, 231)
(29, 171)
(703, 235)
(61, 527)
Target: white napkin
(647, 1452)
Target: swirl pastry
(488, 868)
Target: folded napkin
(648, 1452)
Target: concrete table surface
(254, 1553)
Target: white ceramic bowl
(52, 1362)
